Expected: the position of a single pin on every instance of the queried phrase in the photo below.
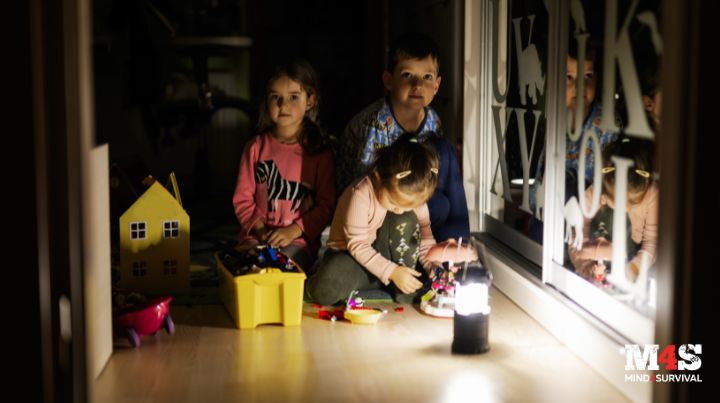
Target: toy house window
(138, 230)
(139, 269)
(171, 229)
(170, 267)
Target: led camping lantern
(472, 311)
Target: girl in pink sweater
(285, 192)
(381, 228)
(592, 260)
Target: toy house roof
(155, 198)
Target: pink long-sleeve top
(643, 222)
(279, 184)
(357, 219)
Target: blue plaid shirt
(572, 148)
(572, 156)
(370, 130)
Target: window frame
(623, 319)
(506, 234)
(140, 267)
(636, 327)
(135, 233)
(598, 342)
(594, 334)
(170, 267)
(171, 229)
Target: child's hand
(633, 272)
(436, 268)
(282, 237)
(260, 231)
(404, 279)
(599, 249)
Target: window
(517, 109)
(170, 267)
(567, 138)
(603, 252)
(171, 229)
(139, 269)
(137, 230)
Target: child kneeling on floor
(381, 228)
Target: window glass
(139, 269)
(137, 230)
(613, 114)
(519, 81)
(170, 267)
(171, 229)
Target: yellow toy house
(155, 242)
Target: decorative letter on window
(613, 113)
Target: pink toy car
(147, 319)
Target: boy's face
(413, 83)
(572, 78)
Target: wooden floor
(404, 358)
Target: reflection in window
(613, 118)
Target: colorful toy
(256, 259)
(357, 313)
(331, 315)
(143, 319)
(260, 284)
(354, 302)
(354, 311)
(440, 299)
(363, 316)
(155, 242)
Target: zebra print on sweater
(278, 187)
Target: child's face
(654, 106)
(287, 103)
(590, 84)
(396, 203)
(413, 83)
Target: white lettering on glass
(618, 47)
(597, 173)
(573, 223)
(500, 134)
(530, 78)
(524, 155)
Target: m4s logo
(647, 359)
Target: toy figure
(440, 300)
